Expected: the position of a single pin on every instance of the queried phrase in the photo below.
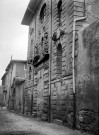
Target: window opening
(59, 59)
(59, 7)
(42, 13)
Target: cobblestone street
(13, 124)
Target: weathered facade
(18, 94)
(4, 86)
(63, 63)
(1, 97)
(15, 74)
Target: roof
(15, 61)
(30, 11)
(3, 76)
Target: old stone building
(62, 81)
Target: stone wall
(30, 70)
(65, 40)
(61, 100)
(38, 43)
(51, 33)
(61, 67)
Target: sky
(13, 35)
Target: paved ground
(13, 124)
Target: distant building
(62, 82)
(1, 97)
(15, 74)
(4, 85)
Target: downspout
(73, 66)
(23, 98)
(73, 48)
(32, 94)
(33, 70)
(50, 50)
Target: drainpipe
(33, 73)
(73, 62)
(23, 98)
(50, 50)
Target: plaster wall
(20, 70)
(18, 99)
(88, 77)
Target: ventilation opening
(59, 59)
(42, 13)
(59, 7)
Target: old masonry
(62, 82)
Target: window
(59, 59)
(59, 8)
(30, 71)
(42, 13)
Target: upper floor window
(59, 59)
(42, 13)
(59, 8)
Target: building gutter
(73, 68)
(30, 11)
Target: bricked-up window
(30, 71)
(59, 8)
(59, 59)
(42, 13)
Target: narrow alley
(14, 124)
